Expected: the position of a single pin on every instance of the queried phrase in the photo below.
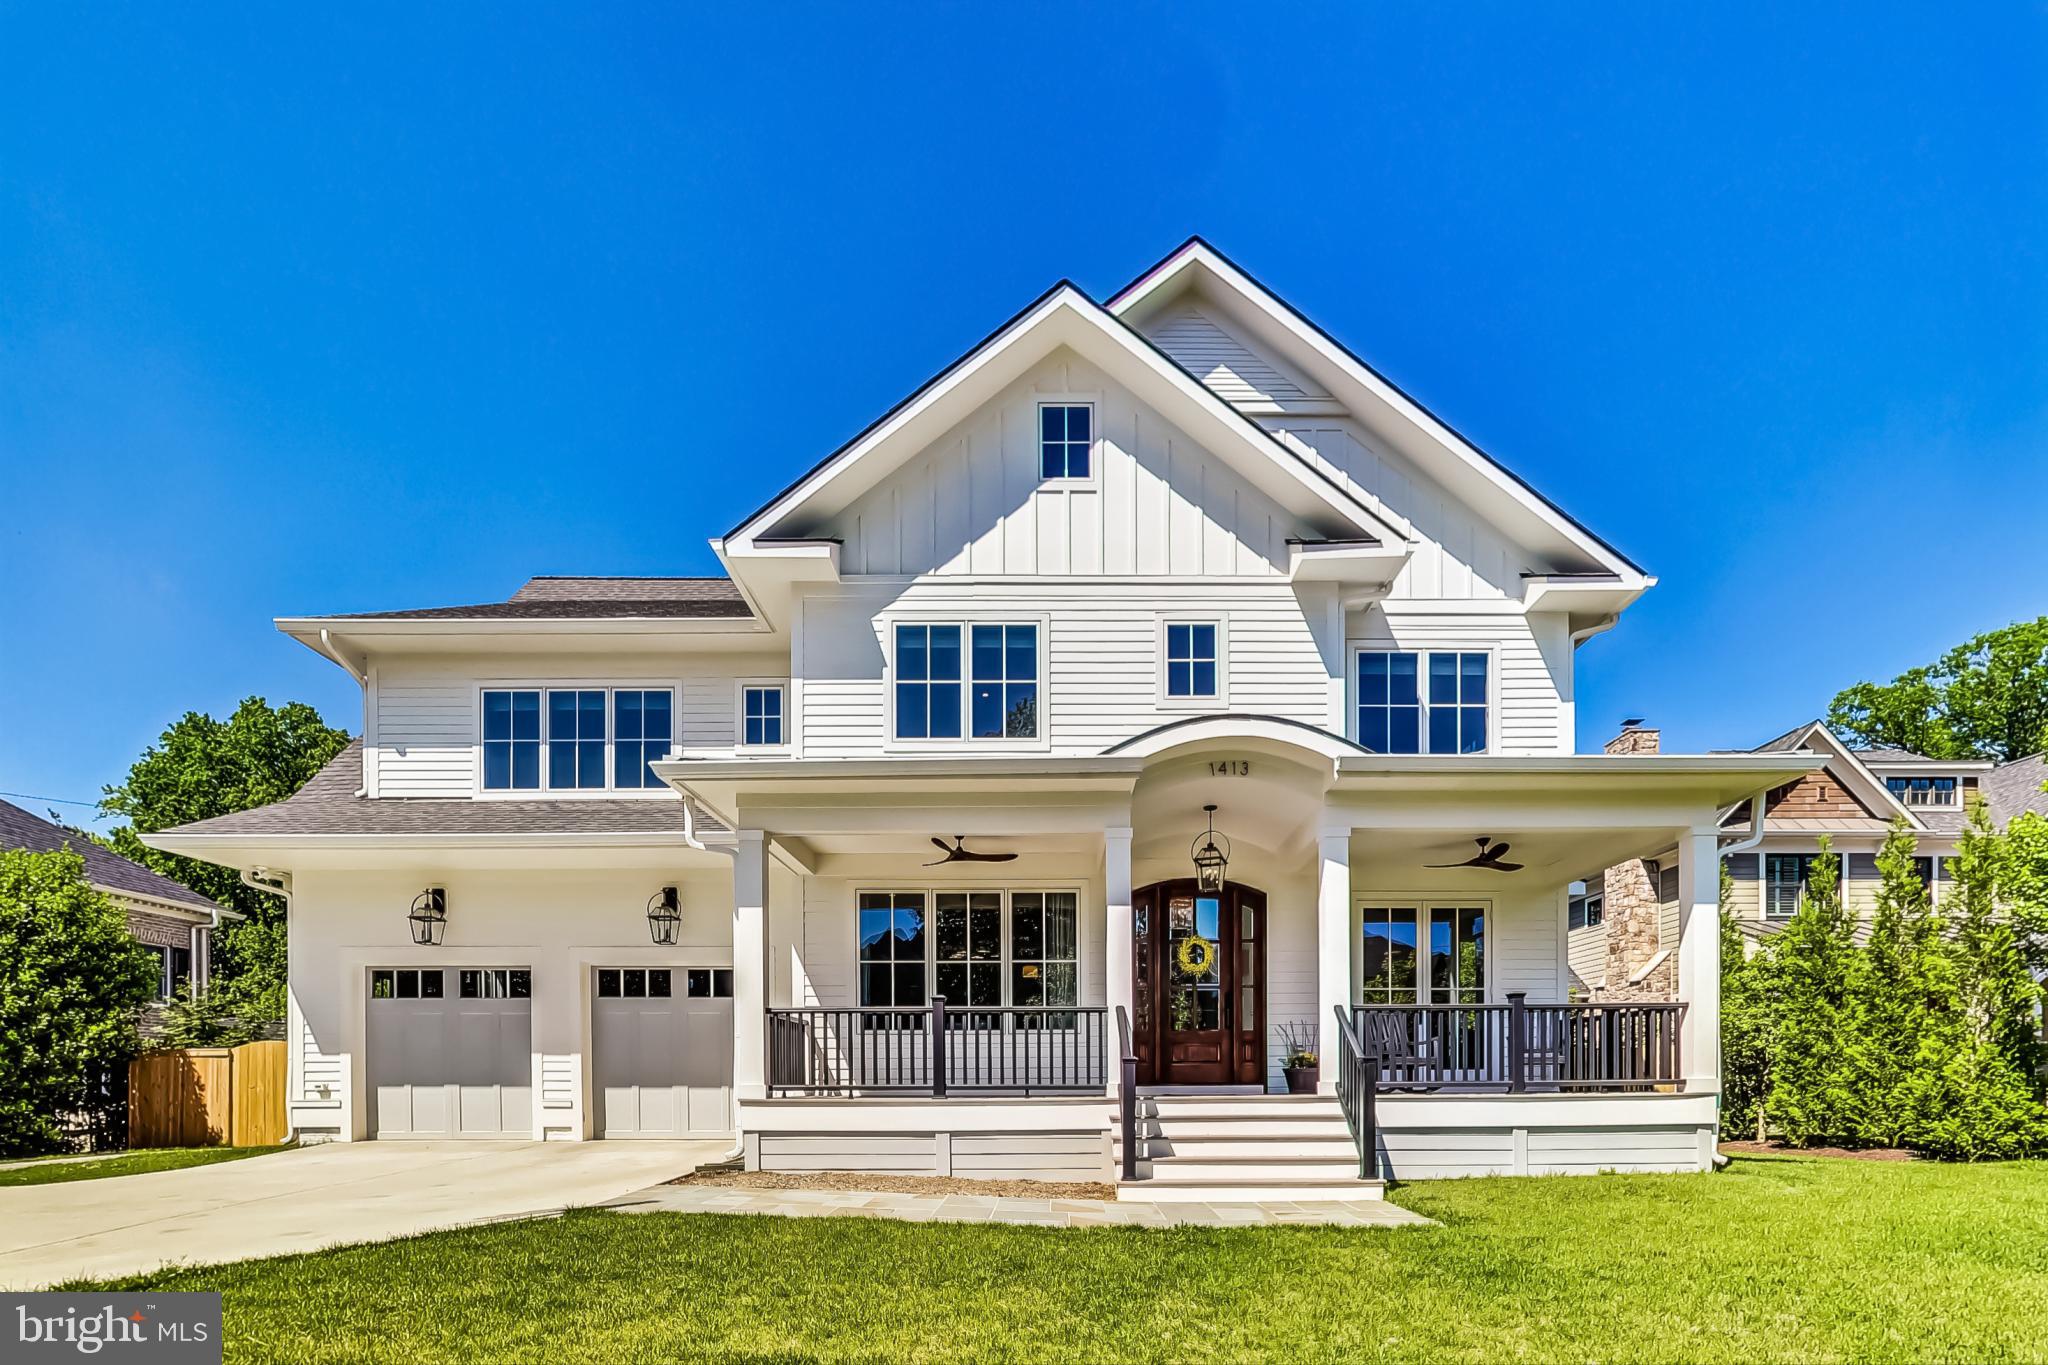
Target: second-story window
(575, 738)
(1923, 791)
(1005, 664)
(1415, 702)
(760, 717)
(1065, 436)
(927, 682)
(643, 726)
(511, 740)
(1190, 659)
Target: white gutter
(327, 648)
(1756, 827)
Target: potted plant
(1301, 1063)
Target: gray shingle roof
(1885, 755)
(328, 804)
(575, 599)
(19, 829)
(2014, 788)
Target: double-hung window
(991, 694)
(512, 740)
(1587, 911)
(761, 716)
(575, 738)
(643, 725)
(1422, 702)
(1785, 879)
(892, 948)
(1190, 660)
(1066, 432)
(1923, 791)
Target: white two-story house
(892, 850)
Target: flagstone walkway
(974, 1208)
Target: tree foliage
(71, 978)
(199, 768)
(1924, 1036)
(1986, 698)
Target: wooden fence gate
(208, 1097)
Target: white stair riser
(1151, 1192)
(1320, 1149)
(1226, 1172)
(1245, 1130)
(1239, 1109)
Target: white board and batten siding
(973, 504)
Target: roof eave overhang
(1717, 779)
(1360, 389)
(722, 786)
(1066, 317)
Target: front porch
(1050, 1004)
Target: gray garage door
(663, 1039)
(451, 1052)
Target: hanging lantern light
(1211, 861)
(664, 915)
(428, 917)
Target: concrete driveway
(313, 1197)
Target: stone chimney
(1629, 901)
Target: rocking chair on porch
(1407, 1061)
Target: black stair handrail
(1127, 1093)
(1358, 1084)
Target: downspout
(1756, 828)
(363, 681)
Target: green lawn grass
(1774, 1259)
(126, 1163)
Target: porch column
(750, 966)
(1699, 959)
(1333, 945)
(1116, 957)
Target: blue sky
(359, 309)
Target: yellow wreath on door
(1196, 955)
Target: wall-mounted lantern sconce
(428, 916)
(664, 914)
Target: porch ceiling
(1400, 861)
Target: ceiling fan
(958, 852)
(1489, 856)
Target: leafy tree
(1745, 1027)
(201, 767)
(2023, 884)
(71, 978)
(1814, 972)
(205, 1020)
(1986, 698)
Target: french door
(1199, 962)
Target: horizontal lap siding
(1576, 1151)
(1045, 1156)
(1103, 656)
(1530, 710)
(426, 735)
(319, 1072)
(1450, 1152)
(1523, 943)
(1586, 951)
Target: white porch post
(1116, 957)
(1699, 959)
(1333, 944)
(750, 966)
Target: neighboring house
(169, 918)
(1624, 927)
(664, 857)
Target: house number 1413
(1231, 767)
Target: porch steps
(1233, 1148)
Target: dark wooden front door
(1200, 965)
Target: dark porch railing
(1358, 1083)
(1519, 1047)
(939, 1050)
(1127, 1093)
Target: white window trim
(1040, 743)
(1221, 700)
(1422, 905)
(1091, 401)
(932, 890)
(739, 716)
(611, 689)
(1422, 653)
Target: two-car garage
(451, 1052)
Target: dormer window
(1923, 791)
(1066, 434)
